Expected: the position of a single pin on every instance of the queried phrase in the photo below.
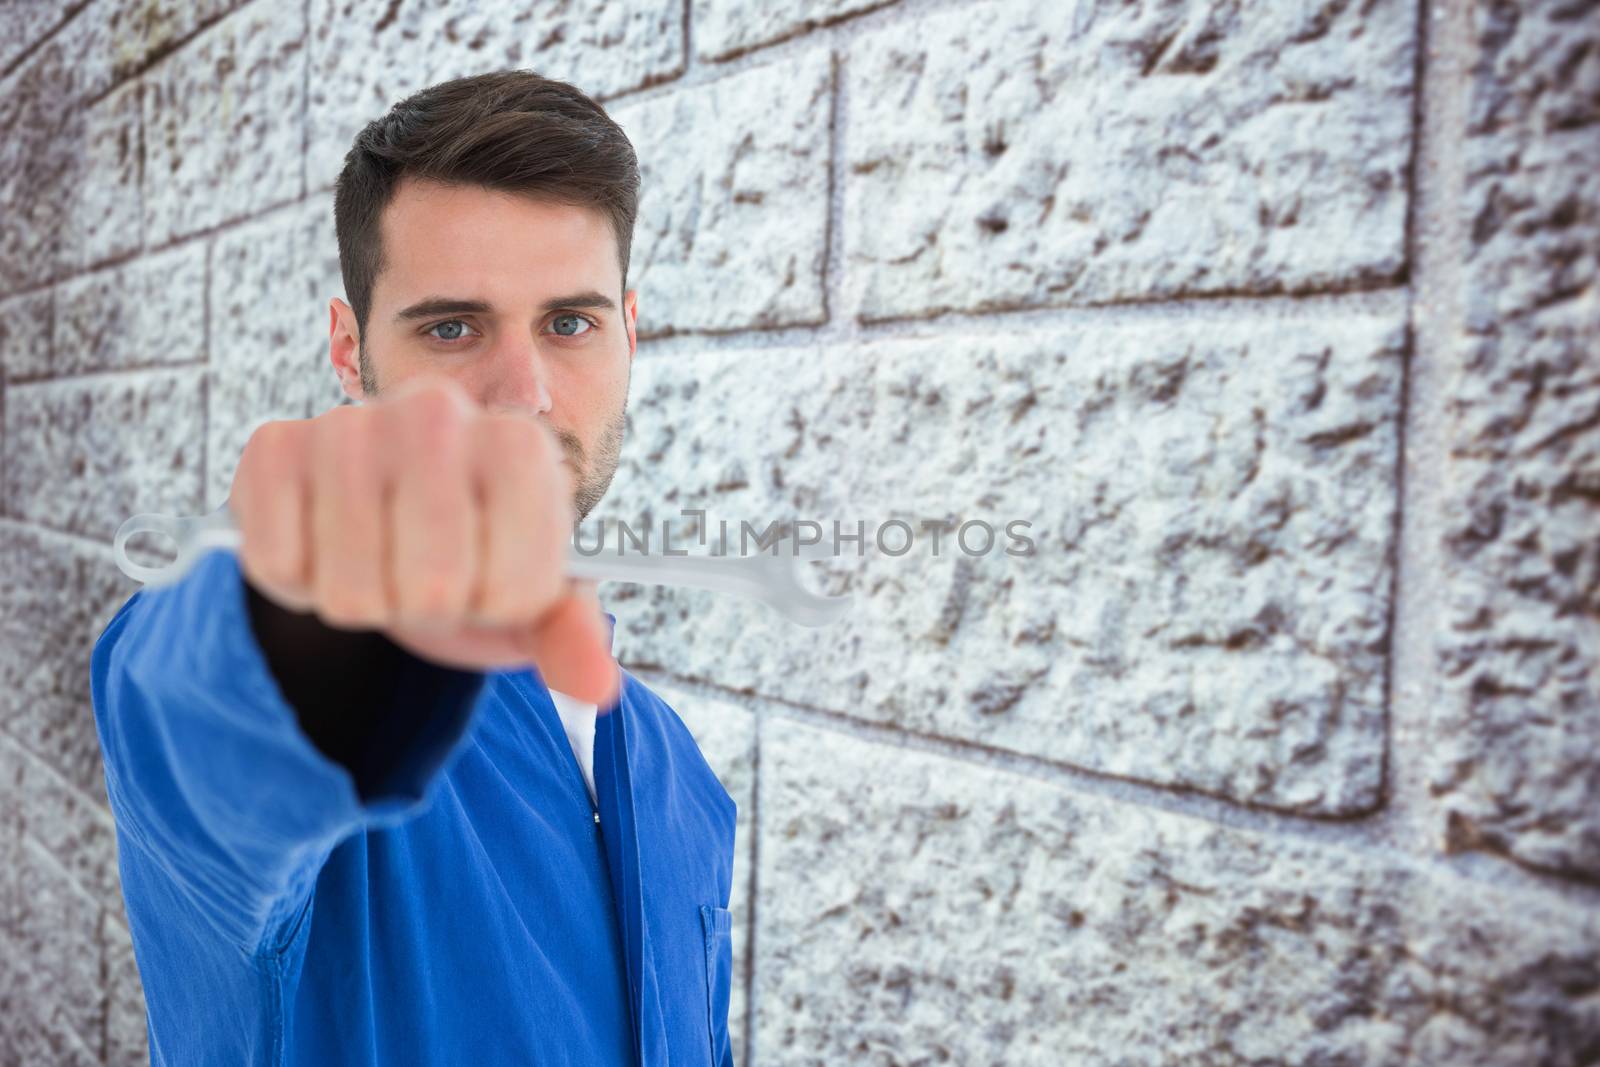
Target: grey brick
(919, 909)
(48, 626)
(10, 863)
(735, 188)
(35, 163)
(84, 454)
(60, 729)
(1515, 764)
(224, 123)
(47, 1040)
(75, 60)
(73, 826)
(1211, 502)
(43, 139)
(25, 334)
(147, 312)
(142, 30)
(725, 28)
(726, 736)
(367, 55)
(103, 215)
(25, 22)
(127, 1040)
(58, 933)
(271, 284)
(1051, 154)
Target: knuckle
(347, 604)
(342, 419)
(267, 561)
(518, 442)
(438, 400)
(353, 426)
(263, 456)
(335, 434)
(268, 436)
(499, 437)
(439, 426)
(345, 421)
(345, 613)
(434, 592)
(282, 564)
(528, 591)
(430, 435)
(506, 603)
(515, 431)
(347, 460)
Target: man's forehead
(467, 242)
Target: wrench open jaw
(773, 579)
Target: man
(366, 810)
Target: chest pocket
(718, 925)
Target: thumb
(571, 648)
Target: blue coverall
(466, 907)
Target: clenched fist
(427, 518)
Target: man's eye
(573, 322)
(454, 330)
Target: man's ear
(344, 348)
(630, 315)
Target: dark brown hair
(511, 130)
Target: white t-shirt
(578, 718)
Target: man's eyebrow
(446, 305)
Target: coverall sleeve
(210, 773)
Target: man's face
(518, 300)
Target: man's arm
(235, 763)
(362, 699)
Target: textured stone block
(918, 909)
(724, 29)
(73, 826)
(84, 454)
(1098, 152)
(35, 165)
(127, 1038)
(75, 59)
(224, 123)
(48, 1039)
(103, 215)
(48, 625)
(1516, 766)
(271, 284)
(141, 30)
(10, 863)
(44, 139)
(25, 22)
(367, 55)
(25, 334)
(733, 209)
(1211, 507)
(58, 934)
(147, 312)
(12, 1021)
(726, 735)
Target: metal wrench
(773, 580)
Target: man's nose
(522, 386)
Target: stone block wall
(1279, 324)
